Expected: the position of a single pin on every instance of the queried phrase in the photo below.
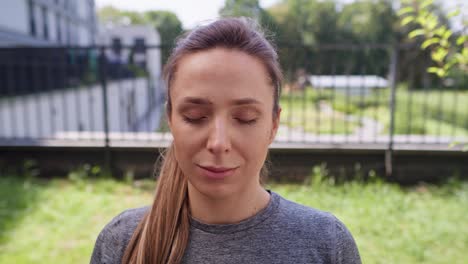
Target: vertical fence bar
(11, 66)
(35, 94)
(393, 80)
(454, 113)
(63, 88)
(103, 81)
(21, 98)
(362, 90)
(75, 70)
(426, 102)
(50, 93)
(440, 114)
(92, 86)
(347, 103)
(409, 91)
(333, 94)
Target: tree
(110, 14)
(302, 25)
(169, 27)
(447, 50)
(369, 21)
(166, 23)
(236, 8)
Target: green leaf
(450, 64)
(432, 70)
(441, 31)
(415, 33)
(441, 73)
(461, 40)
(422, 18)
(444, 43)
(405, 10)
(453, 13)
(447, 34)
(426, 3)
(439, 54)
(407, 20)
(431, 22)
(429, 42)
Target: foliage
(236, 8)
(168, 26)
(368, 21)
(166, 23)
(110, 14)
(437, 37)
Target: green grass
(302, 110)
(57, 221)
(418, 112)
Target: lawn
(419, 112)
(57, 220)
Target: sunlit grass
(417, 112)
(57, 221)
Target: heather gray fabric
(283, 232)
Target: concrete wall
(410, 167)
(14, 16)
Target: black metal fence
(338, 94)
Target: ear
(276, 122)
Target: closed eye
(246, 121)
(197, 120)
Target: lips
(217, 173)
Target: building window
(116, 46)
(45, 24)
(32, 19)
(139, 45)
(58, 28)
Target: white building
(131, 42)
(47, 22)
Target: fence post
(103, 81)
(393, 83)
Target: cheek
(185, 141)
(254, 145)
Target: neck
(227, 210)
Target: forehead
(221, 75)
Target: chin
(215, 191)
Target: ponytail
(162, 235)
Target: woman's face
(222, 120)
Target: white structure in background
(125, 39)
(352, 84)
(47, 22)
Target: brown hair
(163, 233)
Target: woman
(223, 110)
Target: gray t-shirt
(283, 232)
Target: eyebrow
(203, 101)
(197, 100)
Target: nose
(218, 140)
